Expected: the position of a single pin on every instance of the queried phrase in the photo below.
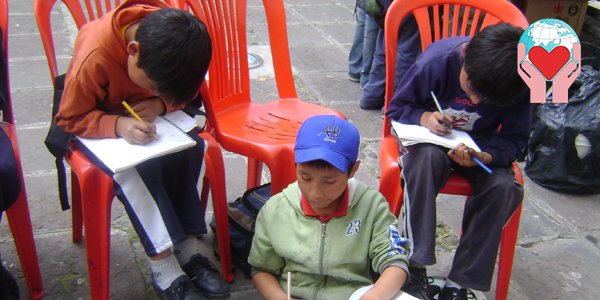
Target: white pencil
(437, 103)
(289, 286)
(439, 107)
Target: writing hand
(532, 77)
(462, 154)
(565, 77)
(149, 109)
(134, 131)
(436, 123)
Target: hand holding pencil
(437, 122)
(135, 130)
(468, 157)
(444, 120)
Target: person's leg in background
(355, 58)
(370, 38)
(409, 47)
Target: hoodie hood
(127, 13)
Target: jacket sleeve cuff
(415, 116)
(498, 158)
(400, 265)
(254, 270)
(108, 126)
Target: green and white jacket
(327, 261)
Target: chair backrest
(229, 81)
(438, 19)
(7, 111)
(82, 11)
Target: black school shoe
(418, 284)
(449, 293)
(9, 289)
(206, 277)
(181, 289)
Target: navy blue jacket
(437, 69)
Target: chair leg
(20, 225)
(508, 243)
(216, 178)
(19, 221)
(391, 188)
(254, 173)
(283, 171)
(76, 213)
(96, 216)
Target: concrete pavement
(558, 255)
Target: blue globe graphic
(549, 33)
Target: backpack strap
(195, 110)
(57, 141)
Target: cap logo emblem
(331, 133)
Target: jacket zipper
(321, 250)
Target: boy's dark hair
(491, 64)
(322, 164)
(175, 51)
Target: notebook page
(117, 154)
(414, 134)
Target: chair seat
(266, 133)
(457, 185)
(257, 125)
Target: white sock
(165, 271)
(186, 249)
(452, 284)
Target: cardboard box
(571, 12)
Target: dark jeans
(409, 47)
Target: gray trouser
(495, 197)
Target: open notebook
(399, 296)
(414, 134)
(117, 154)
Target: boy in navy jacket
(480, 91)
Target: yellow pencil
(131, 111)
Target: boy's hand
(149, 109)
(462, 156)
(134, 131)
(436, 123)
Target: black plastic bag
(564, 146)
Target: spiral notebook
(118, 155)
(414, 134)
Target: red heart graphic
(549, 63)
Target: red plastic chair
(458, 18)
(19, 219)
(263, 132)
(92, 189)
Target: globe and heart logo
(549, 48)
(549, 63)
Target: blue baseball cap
(329, 138)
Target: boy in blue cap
(327, 229)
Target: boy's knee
(422, 155)
(507, 187)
